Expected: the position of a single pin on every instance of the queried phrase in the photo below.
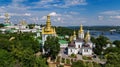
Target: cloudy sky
(63, 12)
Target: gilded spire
(22, 22)
(81, 29)
(88, 34)
(7, 18)
(6, 15)
(74, 34)
(48, 29)
(54, 30)
(87, 38)
(71, 38)
(48, 22)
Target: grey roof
(71, 44)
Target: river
(112, 36)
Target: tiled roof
(79, 40)
(71, 44)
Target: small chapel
(81, 44)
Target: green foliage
(1, 25)
(100, 42)
(58, 58)
(20, 51)
(112, 50)
(78, 64)
(64, 31)
(68, 61)
(96, 64)
(93, 39)
(117, 43)
(61, 66)
(63, 60)
(40, 62)
(6, 59)
(86, 58)
(31, 26)
(73, 56)
(112, 55)
(113, 60)
(52, 46)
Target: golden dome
(48, 29)
(87, 38)
(81, 29)
(6, 15)
(23, 22)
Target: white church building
(81, 44)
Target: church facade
(81, 44)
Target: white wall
(87, 53)
(72, 51)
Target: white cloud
(19, 14)
(74, 13)
(100, 17)
(19, 11)
(58, 18)
(43, 18)
(53, 3)
(112, 12)
(27, 14)
(115, 17)
(111, 15)
(2, 9)
(16, 3)
(54, 14)
(2, 17)
(75, 2)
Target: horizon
(63, 12)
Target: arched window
(78, 46)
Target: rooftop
(63, 41)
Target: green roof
(61, 37)
(63, 41)
(7, 24)
(9, 30)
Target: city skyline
(63, 12)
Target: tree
(64, 31)
(113, 60)
(100, 42)
(117, 43)
(93, 39)
(6, 59)
(40, 62)
(20, 51)
(112, 50)
(31, 26)
(1, 25)
(52, 46)
(78, 64)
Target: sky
(63, 12)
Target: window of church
(86, 50)
(78, 46)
